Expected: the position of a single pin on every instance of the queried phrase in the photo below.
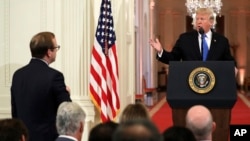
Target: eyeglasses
(58, 47)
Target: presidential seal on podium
(201, 80)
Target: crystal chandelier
(193, 5)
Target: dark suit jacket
(187, 49)
(63, 139)
(36, 92)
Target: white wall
(74, 23)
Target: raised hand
(155, 44)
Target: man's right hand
(68, 89)
(156, 45)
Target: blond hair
(205, 11)
(134, 112)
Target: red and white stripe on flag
(104, 67)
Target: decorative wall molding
(43, 14)
(239, 12)
(7, 42)
(72, 44)
(170, 12)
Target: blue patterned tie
(204, 48)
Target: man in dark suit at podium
(188, 46)
(202, 44)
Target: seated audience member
(137, 130)
(200, 121)
(134, 111)
(70, 120)
(13, 130)
(103, 131)
(178, 133)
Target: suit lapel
(196, 45)
(212, 46)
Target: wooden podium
(218, 93)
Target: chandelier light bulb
(193, 5)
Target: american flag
(104, 67)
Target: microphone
(201, 31)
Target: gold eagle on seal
(201, 80)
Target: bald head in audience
(200, 121)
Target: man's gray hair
(68, 118)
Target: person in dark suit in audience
(200, 121)
(37, 89)
(137, 130)
(12, 129)
(70, 120)
(103, 131)
(188, 46)
(134, 111)
(178, 133)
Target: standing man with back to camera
(188, 46)
(37, 89)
